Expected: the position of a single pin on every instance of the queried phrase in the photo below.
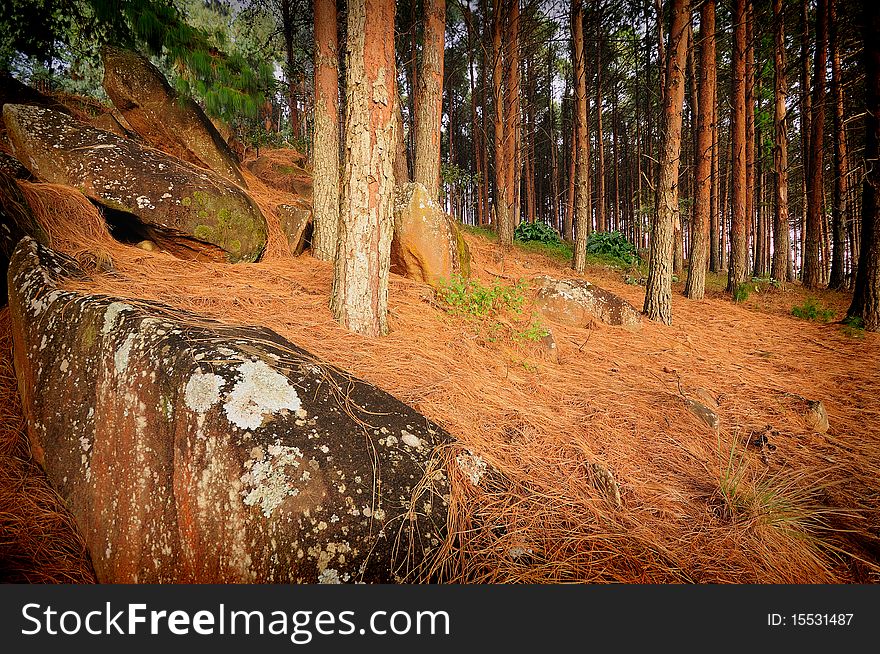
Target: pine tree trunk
(813, 272)
(360, 283)
(512, 122)
(325, 147)
(750, 135)
(837, 279)
(696, 280)
(582, 218)
(475, 132)
(739, 188)
(781, 245)
(715, 221)
(429, 99)
(601, 224)
(866, 296)
(658, 294)
(504, 225)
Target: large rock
(296, 223)
(164, 193)
(576, 302)
(189, 451)
(427, 245)
(164, 119)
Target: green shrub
(853, 326)
(468, 297)
(811, 310)
(613, 244)
(536, 231)
(534, 332)
(741, 294)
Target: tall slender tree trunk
(601, 224)
(739, 188)
(554, 157)
(429, 99)
(658, 294)
(696, 279)
(837, 279)
(360, 283)
(806, 109)
(512, 121)
(475, 131)
(815, 208)
(751, 227)
(502, 217)
(781, 245)
(582, 219)
(325, 147)
(866, 296)
(715, 221)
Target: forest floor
(764, 499)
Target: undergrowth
(853, 326)
(812, 310)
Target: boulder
(166, 194)
(296, 223)
(815, 416)
(427, 244)
(165, 120)
(13, 168)
(192, 451)
(284, 169)
(576, 302)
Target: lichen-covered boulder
(576, 302)
(427, 245)
(295, 221)
(284, 169)
(164, 193)
(164, 119)
(190, 451)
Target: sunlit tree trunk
(429, 99)
(360, 283)
(738, 225)
(696, 280)
(325, 147)
(582, 217)
(658, 294)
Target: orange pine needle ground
(696, 506)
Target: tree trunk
(837, 279)
(781, 246)
(866, 297)
(715, 215)
(696, 280)
(815, 209)
(582, 218)
(512, 123)
(658, 294)
(429, 99)
(601, 224)
(360, 282)
(503, 220)
(290, 64)
(325, 147)
(739, 188)
(475, 132)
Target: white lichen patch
(202, 391)
(472, 466)
(411, 439)
(112, 313)
(120, 359)
(258, 394)
(267, 478)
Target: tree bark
(512, 122)
(658, 294)
(429, 99)
(696, 279)
(738, 225)
(502, 216)
(325, 147)
(866, 296)
(837, 279)
(582, 217)
(781, 244)
(360, 283)
(815, 208)
(601, 224)
(290, 64)
(751, 227)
